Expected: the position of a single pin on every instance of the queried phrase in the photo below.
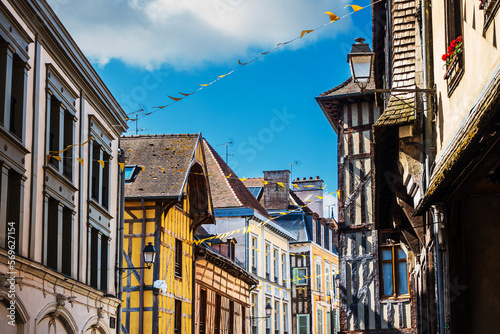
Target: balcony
(454, 72)
(490, 8)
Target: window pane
(128, 172)
(386, 254)
(402, 278)
(401, 254)
(387, 278)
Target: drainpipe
(119, 239)
(428, 106)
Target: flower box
(454, 67)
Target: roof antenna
(296, 162)
(135, 119)
(229, 143)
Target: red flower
(450, 49)
(459, 39)
(444, 57)
(453, 43)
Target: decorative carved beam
(416, 222)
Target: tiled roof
(254, 182)
(294, 223)
(227, 190)
(400, 110)
(346, 88)
(166, 160)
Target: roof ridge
(212, 151)
(163, 135)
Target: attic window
(255, 191)
(131, 173)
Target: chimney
(276, 196)
(310, 189)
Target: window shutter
(303, 325)
(295, 275)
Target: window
(314, 230)
(319, 319)
(302, 323)
(203, 311)
(131, 173)
(299, 276)
(454, 71)
(322, 241)
(254, 255)
(330, 240)
(490, 8)
(231, 317)
(61, 129)
(285, 318)
(58, 244)
(98, 259)
(218, 305)
(276, 317)
(318, 275)
(328, 322)
(268, 263)
(178, 317)
(13, 77)
(283, 269)
(178, 258)
(275, 264)
(100, 174)
(268, 320)
(243, 320)
(328, 277)
(253, 312)
(13, 198)
(394, 271)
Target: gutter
(119, 238)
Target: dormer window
(131, 172)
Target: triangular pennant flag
(309, 186)
(203, 85)
(280, 184)
(186, 94)
(265, 53)
(323, 187)
(175, 98)
(283, 213)
(242, 64)
(320, 197)
(305, 32)
(338, 193)
(122, 165)
(296, 186)
(243, 179)
(354, 7)
(265, 182)
(333, 17)
(227, 177)
(58, 158)
(85, 142)
(143, 168)
(101, 162)
(81, 161)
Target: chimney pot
(303, 178)
(317, 177)
(310, 177)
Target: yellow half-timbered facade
(167, 197)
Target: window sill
(13, 139)
(393, 299)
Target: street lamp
(149, 254)
(269, 311)
(360, 60)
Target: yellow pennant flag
(203, 85)
(320, 197)
(296, 186)
(323, 187)
(283, 213)
(258, 250)
(309, 186)
(304, 256)
(101, 162)
(354, 7)
(143, 168)
(58, 158)
(80, 160)
(227, 177)
(333, 17)
(265, 182)
(338, 193)
(175, 98)
(85, 142)
(243, 179)
(305, 32)
(122, 165)
(280, 184)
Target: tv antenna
(296, 162)
(227, 155)
(134, 117)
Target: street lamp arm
(130, 268)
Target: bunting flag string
(333, 18)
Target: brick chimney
(310, 189)
(276, 196)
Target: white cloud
(187, 33)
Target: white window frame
(254, 256)
(285, 317)
(322, 242)
(267, 259)
(297, 273)
(318, 274)
(283, 269)
(319, 325)
(276, 261)
(277, 315)
(328, 276)
(314, 223)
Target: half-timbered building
(167, 197)
(223, 290)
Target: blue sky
(147, 49)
